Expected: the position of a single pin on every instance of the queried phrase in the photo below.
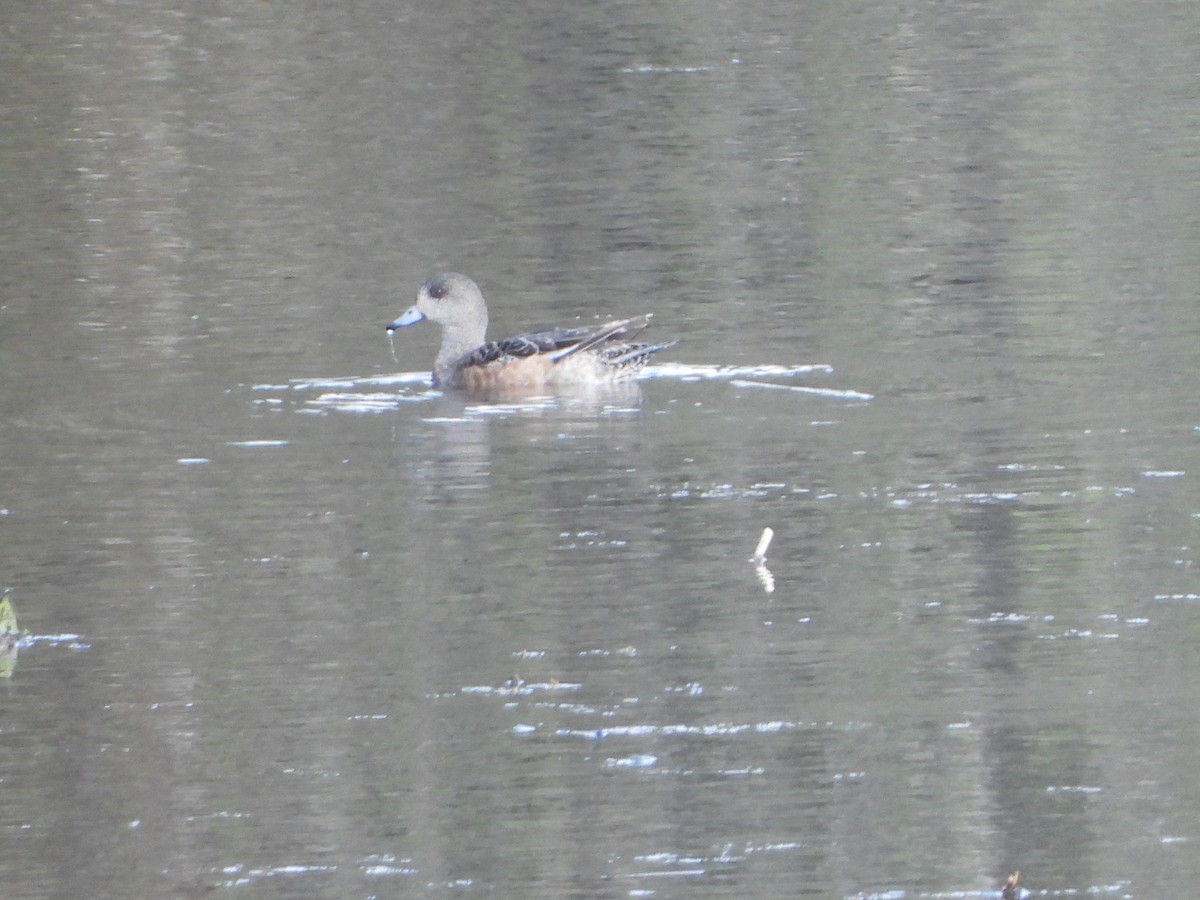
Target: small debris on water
(759, 559)
(1010, 886)
(760, 552)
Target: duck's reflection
(459, 452)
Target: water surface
(298, 625)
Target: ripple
(386, 393)
(719, 729)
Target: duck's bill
(411, 317)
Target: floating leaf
(10, 637)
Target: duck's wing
(609, 341)
(613, 332)
(526, 345)
(545, 341)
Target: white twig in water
(760, 552)
(760, 561)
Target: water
(297, 625)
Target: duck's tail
(637, 354)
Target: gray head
(455, 302)
(451, 300)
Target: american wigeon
(469, 361)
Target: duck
(468, 361)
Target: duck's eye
(438, 289)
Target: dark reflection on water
(933, 273)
